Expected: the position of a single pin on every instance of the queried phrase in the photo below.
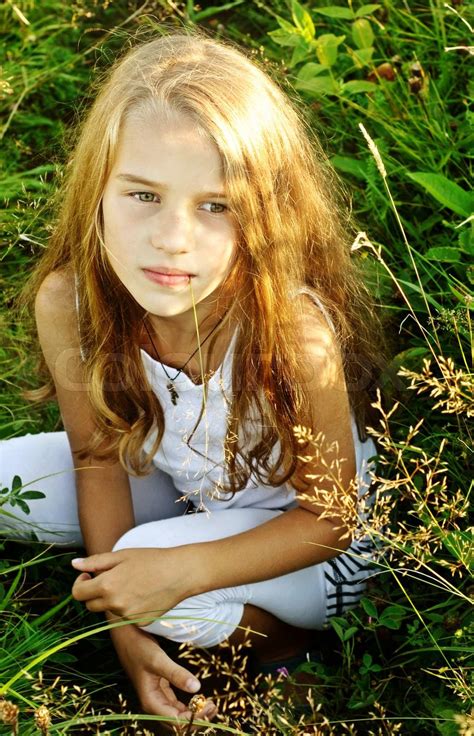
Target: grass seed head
(9, 714)
(43, 720)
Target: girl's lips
(167, 279)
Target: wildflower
(9, 715)
(42, 720)
(465, 723)
(197, 703)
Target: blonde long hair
(291, 233)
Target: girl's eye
(217, 204)
(144, 196)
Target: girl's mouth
(168, 279)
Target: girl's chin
(171, 307)
(174, 302)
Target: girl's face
(166, 220)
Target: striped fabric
(347, 574)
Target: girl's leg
(280, 640)
(298, 599)
(44, 463)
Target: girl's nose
(172, 232)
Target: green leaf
(215, 10)
(318, 86)
(392, 617)
(356, 86)
(366, 10)
(286, 25)
(394, 610)
(446, 192)
(29, 495)
(300, 53)
(466, 240)
(283, 38)
(359, 704)
(310, 70)
(369, 607)
(16, 483)
(433, 617)
(459, 544)
(23, 506)
(465, 299)
(445, 254)
(338, 629)
(350, 165)
(362, 57)
(302, 20)
(62, 658)
(362, 33)
(331, 11)
(327, 48)
(349, 633)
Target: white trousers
(44, 463)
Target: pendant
(173, 393)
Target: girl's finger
(97, 563)
(83, 587)
(170, 695)
(157, 703)
(207, 712)
(84, 576)
(96, 605)
(210, 713)
(174, 673)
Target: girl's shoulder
(57, 291)
(320, 353)
(58, 334)
(55, 307)
(313, 313)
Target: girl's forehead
(158, 132)
(165, 120)
(177, 143)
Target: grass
(400, 661)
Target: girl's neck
(172, 340)
(180, 332)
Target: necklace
(170, 385)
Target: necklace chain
(170, 385)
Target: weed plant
(399, 662)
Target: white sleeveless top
(194, 455)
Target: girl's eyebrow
(158, 185)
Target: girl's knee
(151, 534)
(204, 620)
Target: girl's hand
(134, 583)
(152, 673)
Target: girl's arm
(299, 537)
(103, 489)
(103, 494)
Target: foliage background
(399, 662)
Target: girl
(196, 302)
